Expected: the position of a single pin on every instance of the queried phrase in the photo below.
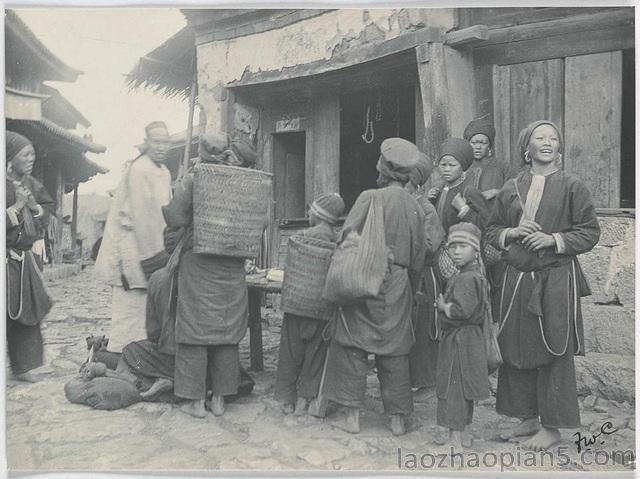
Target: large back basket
(230, 210)
(305, 273)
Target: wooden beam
(467, 36)
(353, 56)
(577, 35)
(74, 217)
(57, 252)
(574, 44)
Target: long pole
(192, 104)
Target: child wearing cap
(302, 346)
(462, 375)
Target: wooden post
(74, 217)
(447, 91)
(255, 329)
(57, 252)
(433, 89)
(192, 104)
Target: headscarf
(328, 207)
(15, 144)
(214, 148)
(525, 136)
(398, 157)
(480, 126)
(421, 172)
(460, 149)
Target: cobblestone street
(45, 431)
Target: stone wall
(608, 371)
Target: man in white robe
(132, 246)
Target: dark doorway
(628, 131)
(366, 119)
(289, 175)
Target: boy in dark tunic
(542, 219)
(462, 363)
(382, 325)
(302, 346)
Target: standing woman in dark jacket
(542, 220)
(26, 218)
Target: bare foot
(159, 386)
(194, 408)
(397, 425)
(26, 377)
(527, 427)
(301, 406)
(217, 405)
(350, 422)
(287, 408)
(454, 444)
(543, 439)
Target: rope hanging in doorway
(368, 134)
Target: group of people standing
(424, 328)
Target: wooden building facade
(39, 112)
(318, 90)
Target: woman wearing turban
(542, 220)
(489, 176)
(382, 325)
(490, 173)
(27, 216)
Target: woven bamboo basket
(446, 267)
(490, 254)
(305, 273)
(230, 210)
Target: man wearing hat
(132, 246)
(382, 325)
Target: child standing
(462, 375)
(458, 200)
(302, 346)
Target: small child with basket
(467, 347)
(302, 343)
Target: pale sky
(105, 44)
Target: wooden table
(257, 288)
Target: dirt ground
(46, 432)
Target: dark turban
(480, 127)
(15, 143)
(525, 136)
(460, 149)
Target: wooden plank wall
(324, 159)
(593, 98)
(523, 93)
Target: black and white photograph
(394, 240)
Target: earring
(526, 157)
